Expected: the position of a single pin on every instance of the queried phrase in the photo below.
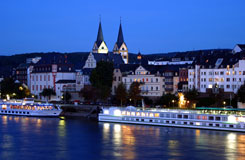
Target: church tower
(120, 46)
(100, 45)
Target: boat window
(9, 111)
(173, 115)
(224, 118)
(217, 125)
(191, 123)
(24, 112)
(156, 114)
(27, 112)
(12, 111)
(167, 121)
(150, 120)
(142, 120)
(179, 116)
(210, 124)
(231, 126)
(151, 115)
(185, 122)
(137, 119)
(186, 116)
(217, 118)
(210, 118)
(168, 115)
(173, 122)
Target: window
(222, 73)
(228, 79)
(227, 86)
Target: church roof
(100, 37)
(120, 38)
(115, 58)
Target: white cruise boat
(202, 118)
(29, 108)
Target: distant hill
(9, 63)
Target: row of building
(224, 70)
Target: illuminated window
(156, 114)
(123, 112)
(151, 115)
(142, 114)
(132, 113)
(137, 113)
(128, 113)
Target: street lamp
(224, 103)
(173, 102)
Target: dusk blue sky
(149, 26)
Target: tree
(167, 100)
(101, 78)
(66, 96)
(121, 93)
(191, 96)
(14, 90)
(134, 92)
(89, 93)
(241, 94)
(47, 92)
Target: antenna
(100, 17)
(120, 19)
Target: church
(120, 47)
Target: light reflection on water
(52, 138)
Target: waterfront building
(48, 71)
(223, 71)
(22, 72)
(152, 82)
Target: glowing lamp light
(117, 112)
(106, 111)
(198, 123)
(231, 119)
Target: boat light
(106, 111)
(117, 112)
(231, 119)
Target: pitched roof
(115, 58)
(242, 46)
(100, 37)
(120, 38)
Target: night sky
(149, 26)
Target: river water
(51, 138)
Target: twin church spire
(119, 47)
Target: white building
(48, 71)
(152, 83)
(226, 73)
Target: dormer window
(123, 49)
